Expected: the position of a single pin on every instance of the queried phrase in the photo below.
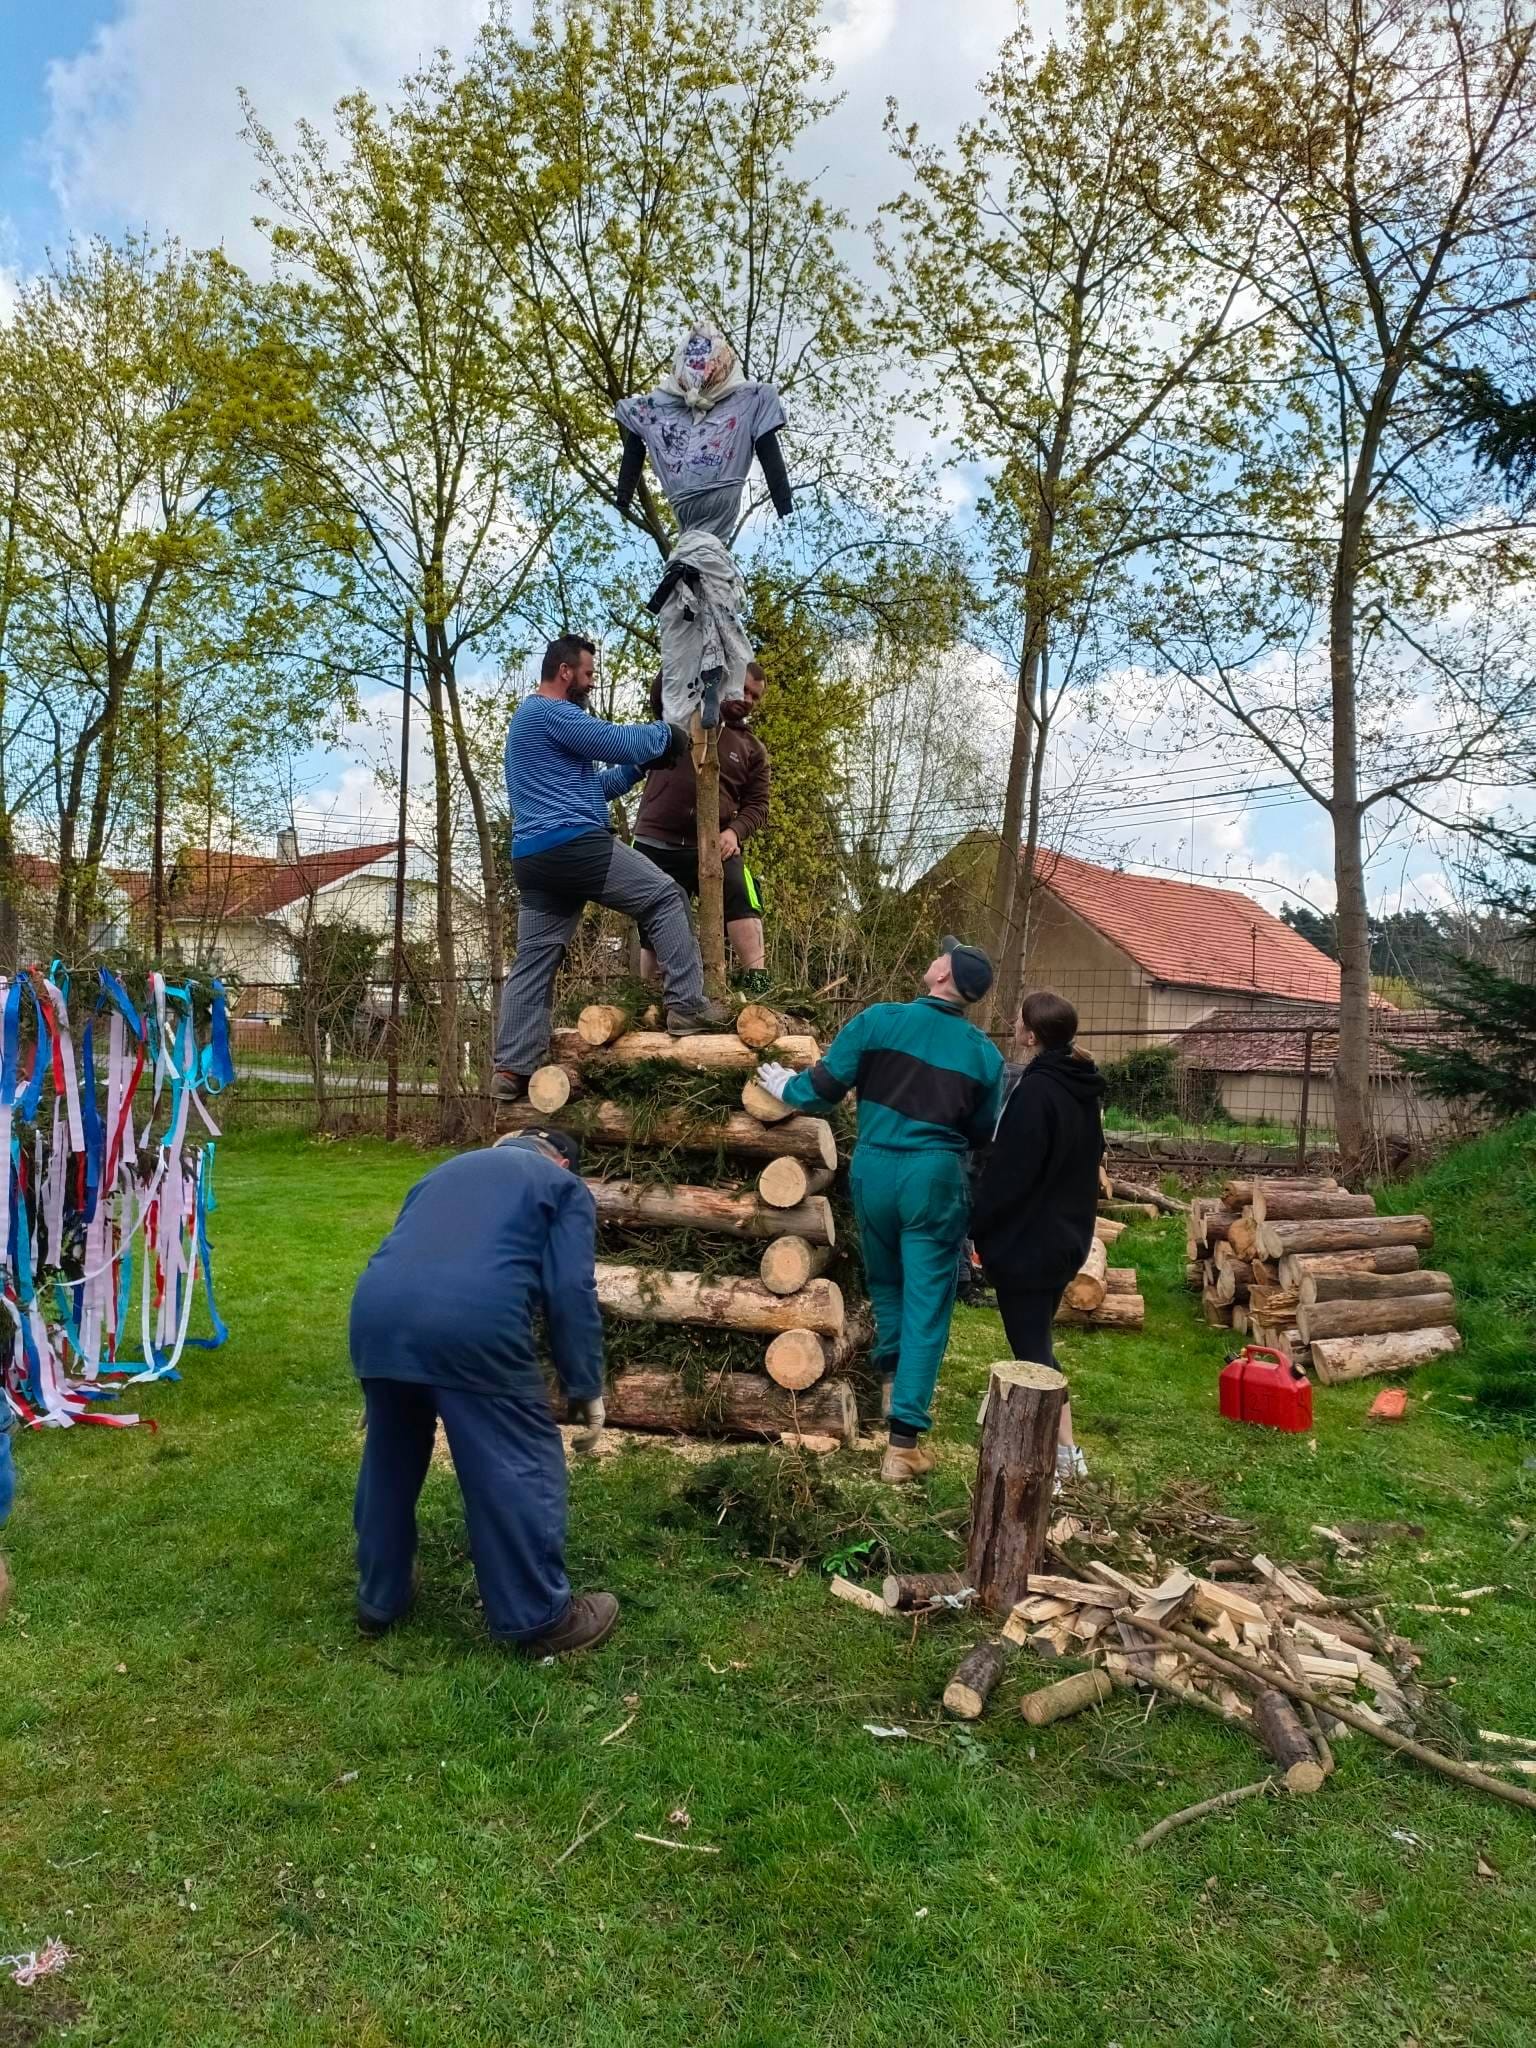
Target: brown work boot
(507, 1087)
(905, 1461)
(589, 1620)
(709, 1016)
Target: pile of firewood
(1311, 1270)
(758, 1175)
(1102, 1296)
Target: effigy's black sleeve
(771, 456)
(629, 469)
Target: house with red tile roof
(239, 913)
(1140, 956)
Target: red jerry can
(1259, 1385)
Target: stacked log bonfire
(731, 1293)
(1310, 1269)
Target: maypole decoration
(86, 1198)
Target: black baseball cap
(563, 1142)
(971, 968)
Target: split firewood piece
(796, 1359)
(1089, 1622)
(789, 1262)
(707, 1051)
(758, 1102)
(1287, 1584)
(858, 1596)
(1176, 1590)
(976, 1674)
(1344, 1234)
(1375, 1318)
(602, 1023)
(1015, 1480)
(1279, 1729)
(1387, 1258)
(612, 1123)
(786, 1183)
(711, 1209)
(909, 1592)
(1316, 1287)
(549, 1089)
(758, 1026)
(1275, 1202)
(1052, 1586)
(1339, 1359)
(1066, 1696)
(1087, 1287)
(1121, 1582)
(649, 1295)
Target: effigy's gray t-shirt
(702, 458)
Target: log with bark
(1119, 1279)
(785, 1183)
(1375, 1318)
(650, 1295)
(1015, 1477)
(1106, 1229)
(1114, 1312)
(1132, 1191)
(614, 1123)
(707, 1052)
(730, 1404)
(1387, 1258)
(977, 1673)
(1343, 1234)
(1233, 1279)
(908, 1592)
(1278, 1728)
(798, 1358)
(1337, 1360)
(1237, 1194)
(637, 1205)
(602, 1023)
(788, 1263)
(1130, 1212)
(1214, 1224)
(1243, 1236)
(1372, 1286)
(1066, 1696)
(1276, 1203)
(1087, 1287)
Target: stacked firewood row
(1102, 1296)
(771, 1171)
(1312, 1270)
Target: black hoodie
(1039, 1189)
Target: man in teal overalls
(930, 1088)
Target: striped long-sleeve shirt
(926, 1078)
(555, 789)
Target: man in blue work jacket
(929, 1088)
(442, 1326)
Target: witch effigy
(702, 428)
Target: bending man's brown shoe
(588, 1621)
(905, 1461)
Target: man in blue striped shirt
(564, 856)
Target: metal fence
(1208, 1083)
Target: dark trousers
(510, 1465)
(1027, 1314)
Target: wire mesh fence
(1226, 1078)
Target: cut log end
(602, 1023)
(789, 1262)
(967, 1693)
(758, 1026)
(784, 1183)
(756, 1101)
(549, 1089)
(1066, 1696)
(796, 1359)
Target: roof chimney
(288, 846)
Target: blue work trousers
(510, 1464)
(912, 1210)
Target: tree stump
(1015, 1473)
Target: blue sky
(125, 112)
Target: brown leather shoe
(901, 1464)
(507, 1087)
(589, 1620)
(709, 1016)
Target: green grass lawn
(255, 1828)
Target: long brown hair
(1051, 1018)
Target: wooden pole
(1015, 1474)
(397, 952)
(706, 763)
(157, 836)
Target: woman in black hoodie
(1038, 1194)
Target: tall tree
(1049, 287)
(416, 462)
(134, 373)
(1356, 609)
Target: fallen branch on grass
(1188, 1813)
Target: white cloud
(143, 123)
(858, 29)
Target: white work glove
(775, 1078)
(593, 1416)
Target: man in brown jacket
(666, 830)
